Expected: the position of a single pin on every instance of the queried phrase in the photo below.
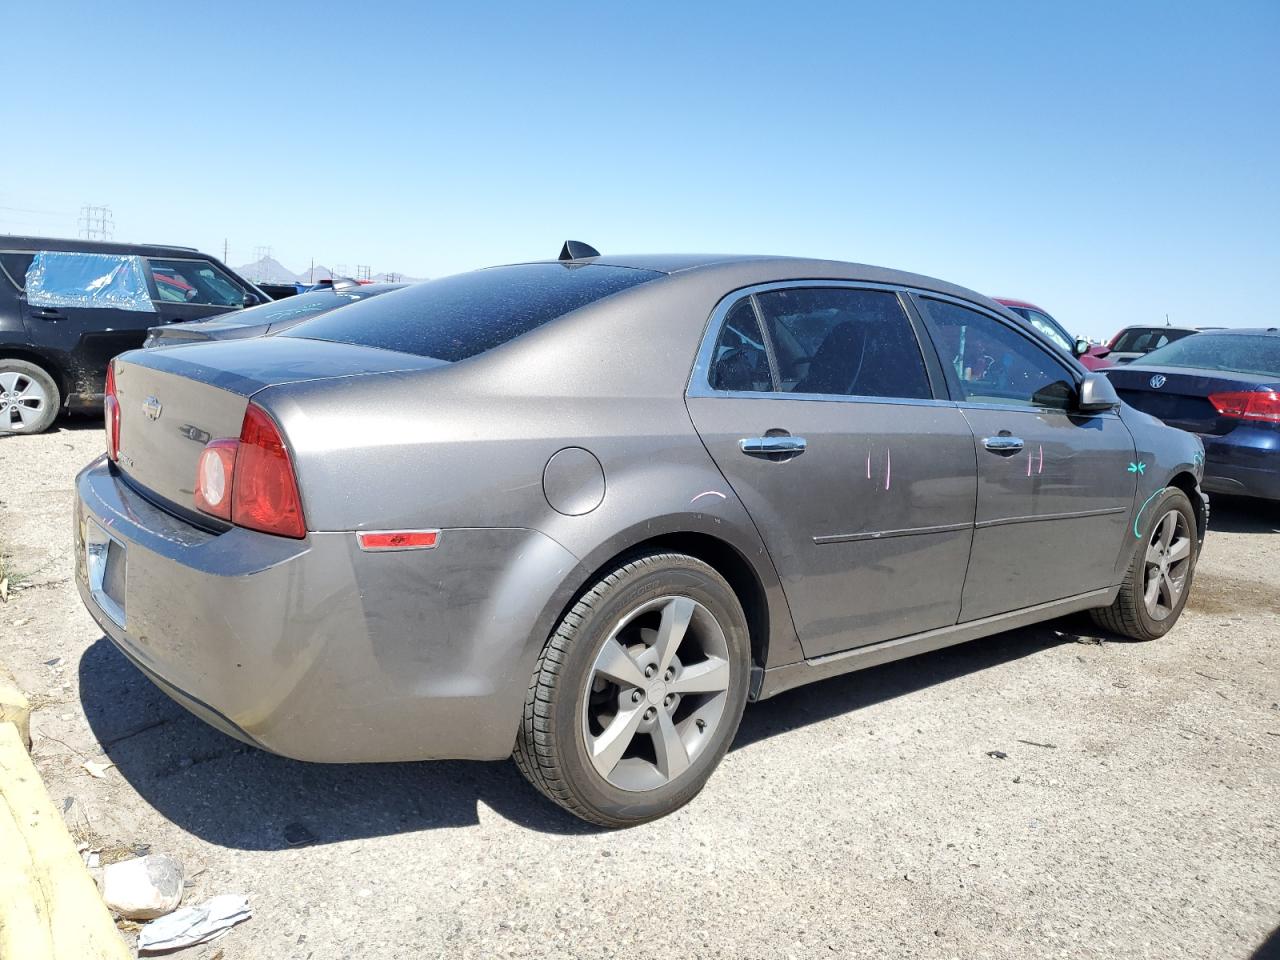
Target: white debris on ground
(191, 925)
(143, 888)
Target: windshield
(1235, 353)
(1146, 339)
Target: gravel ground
(1137, 813)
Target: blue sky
(1111, 162)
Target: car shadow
(1229, 514)
(237, 796)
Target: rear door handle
(1005, 446)
(769, 447)
(47, 313)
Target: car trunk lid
(174, 401)
(1180, 396)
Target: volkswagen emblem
(1156, 382)
(151, 407)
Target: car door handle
(772, 446)
(46, 313)
(1005, 446)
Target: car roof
(64, 245)
(748, 269)
(1237, 331)
(1026, 304)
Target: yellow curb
(14, 707)
(50, 908)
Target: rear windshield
(291, 308)
(459, 317)
(1146, 339)
(1237, 353)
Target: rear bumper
(1246, 462)
(316, 650)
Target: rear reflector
(1248, 404)
(398, 539)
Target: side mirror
(1097, 394)
(251, 300)
(1082, 347)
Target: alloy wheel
(1168, 563)
(22, 400)
(656, 693)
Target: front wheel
(639, 692)
(1158, 581)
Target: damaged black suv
(69, 306)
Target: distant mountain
(267, 270)
(270, 270)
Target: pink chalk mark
(1040, 469)
(888, 468)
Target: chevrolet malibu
(582, 511)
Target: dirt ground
(1137, 813)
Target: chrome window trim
(700, 385)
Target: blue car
(1224, 386)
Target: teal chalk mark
(1198, 459)
(1138, 467)
(1138, 516)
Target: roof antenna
(577, 250)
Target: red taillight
(1248, 404)
(111, 414)
(250, 481)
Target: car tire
(621, 667)
(1161, 570)
(29, 397)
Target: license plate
(106, 561)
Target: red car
(1092, 356)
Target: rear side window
(459, 317)
(739, 362)
(90, 280)
(194, 281)
(844, 342)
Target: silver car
(582, 511)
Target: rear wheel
(29, 399)
(639, 692)
(1158, 581)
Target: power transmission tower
(260, 257)
(363, 272)
(96, 223)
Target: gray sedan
(584, 510)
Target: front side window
(15, 266)
(1051, 330)
(194, 281)
(843, 342)
(90, 280)
(995, 363)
